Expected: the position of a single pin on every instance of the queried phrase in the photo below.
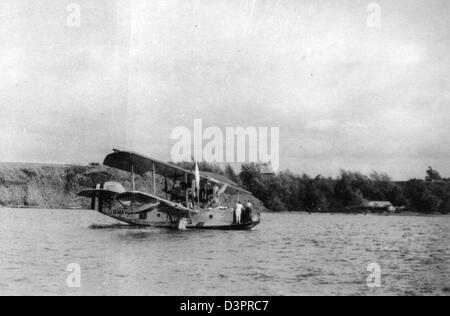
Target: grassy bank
(55, 186)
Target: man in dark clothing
(247, 212)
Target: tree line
(287, 191)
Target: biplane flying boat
(190, 199)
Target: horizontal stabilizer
(98, 193)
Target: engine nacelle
(105, 190)
(113, 186)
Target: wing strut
(132, 177)
(154, 178)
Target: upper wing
(174, 208)
(130, 161)
(232, 187)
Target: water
(287, 254)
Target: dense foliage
(287, 191)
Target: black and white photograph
(225, 153)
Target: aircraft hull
(222, 219)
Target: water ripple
(288, 254)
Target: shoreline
(47, 186)
(262, 212)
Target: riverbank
(264, 211)
(53, 186)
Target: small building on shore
(380, 206)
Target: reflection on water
(287, 254)
(113, 226)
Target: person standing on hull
(238, 212)
(215, 195)
(244, 214)
(204, 199)
(191, 197)
(248, 212)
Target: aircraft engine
(108, 187)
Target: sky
(346, 93)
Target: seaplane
(190, 199)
